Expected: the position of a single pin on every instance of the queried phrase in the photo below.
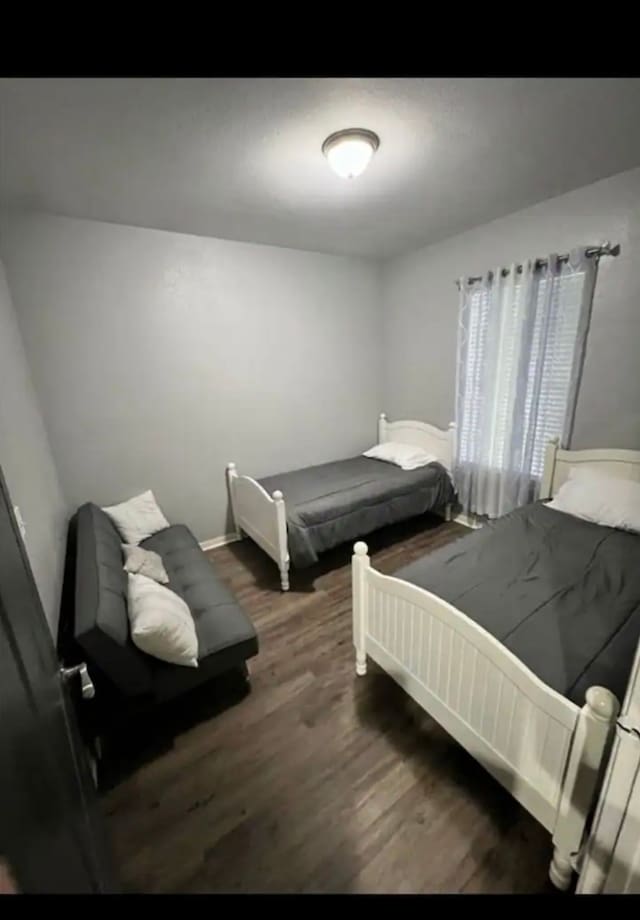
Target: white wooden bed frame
(542, 747)
(263, 517)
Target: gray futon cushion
(101, 626)
(225, 633)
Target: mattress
(341, 501)
(561, 593)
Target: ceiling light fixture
(349, 152)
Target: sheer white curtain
(521, 343)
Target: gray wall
(420, 304)
(25, 457)
(159, 357)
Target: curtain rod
(594, 252)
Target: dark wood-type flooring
(316, 781)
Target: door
(51, 833)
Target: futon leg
(361, 663)
(560, 870)
(284, 576)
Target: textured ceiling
(240, 158)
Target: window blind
(520, 353)
(545, 412)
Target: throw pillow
(161, 623)
(138, 518)
(144, 562)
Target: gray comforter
(561, 593)
(337, 502)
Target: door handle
(86, 684)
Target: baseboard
(220, 541)
(468, 520)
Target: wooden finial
(602, 703)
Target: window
(521, 345)
(547, 417)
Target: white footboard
(262, 517)
(543, 748)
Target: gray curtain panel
(521, 345)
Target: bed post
(590, 740)
(382, 428)
(283, 549)
(453, 431)
(548, 472)
(359, 566)
(232, 474)
(448, 509)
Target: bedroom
(186, 284)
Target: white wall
(25, 458)
(158, 357)
(420, 305)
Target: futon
(94, 624)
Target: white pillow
(144, 562)
(161, 623)
(405, 456)
(138, 518)
(603, 499)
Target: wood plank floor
(316, 781)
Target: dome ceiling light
(349, 152)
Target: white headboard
(436, 441)
(558, 462)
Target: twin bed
(297, 515)
(519, 639)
